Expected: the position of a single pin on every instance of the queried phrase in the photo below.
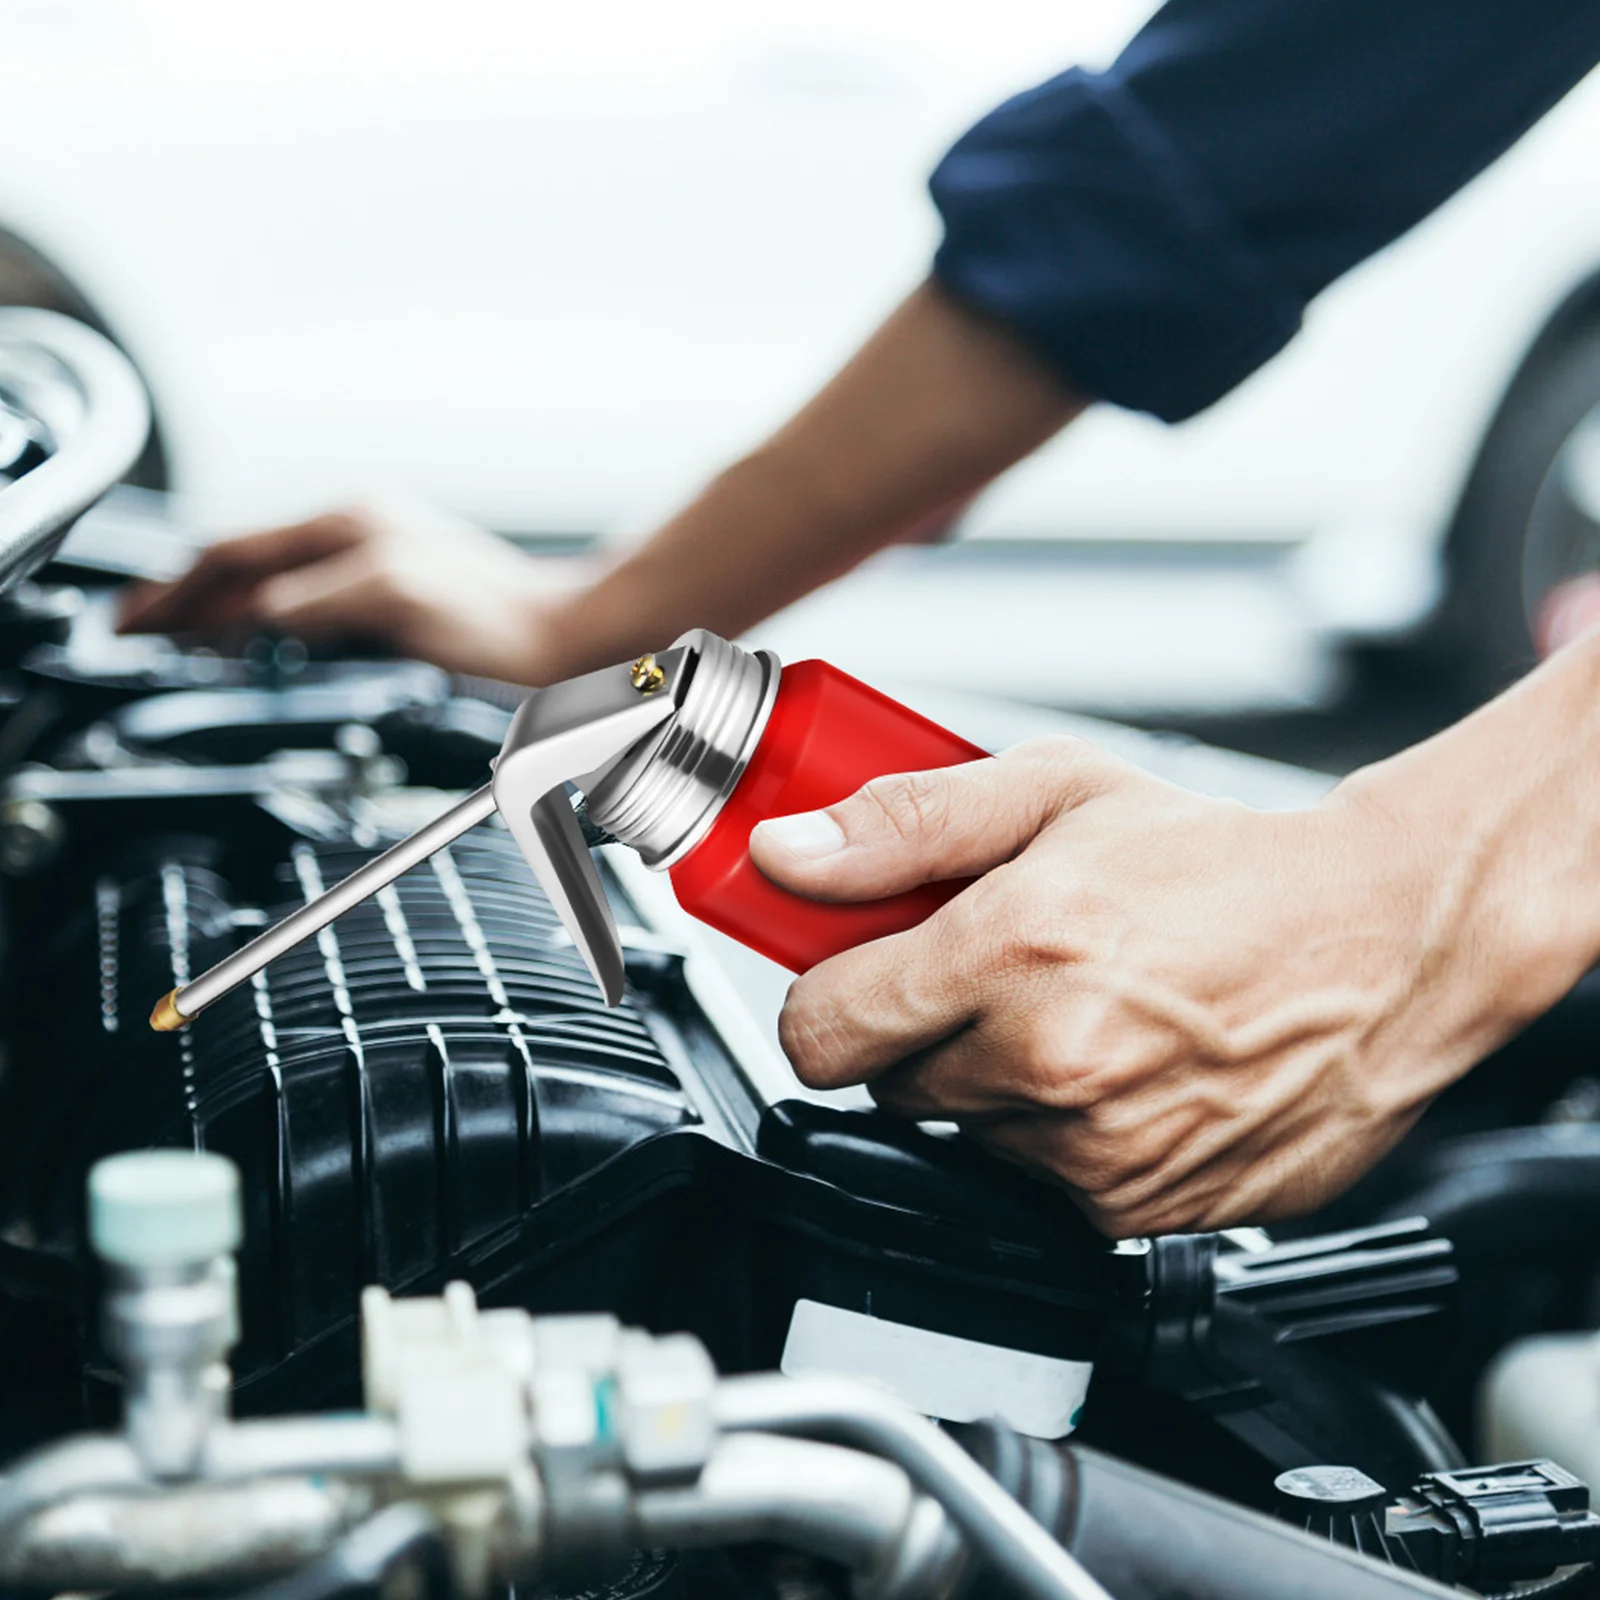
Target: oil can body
(826, 735)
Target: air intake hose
(1145, 1537)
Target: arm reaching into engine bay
(1148, 235)
(1193, 1013)
(939, 401)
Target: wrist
(1384, 935)
(1490, 832)
(1546, 882)
(544, 639)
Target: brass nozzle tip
(167, 1018)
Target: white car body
(552, 266)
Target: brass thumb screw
(647, 675)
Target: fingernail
(807, 834)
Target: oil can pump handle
(569, 732)
(572, 732)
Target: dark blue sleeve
(1156, 230)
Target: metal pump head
(656, 750)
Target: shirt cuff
(1069, 217)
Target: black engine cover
(434, 1089)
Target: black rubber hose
(1493, 1194)
(1147, 1538)
(1569, 1582)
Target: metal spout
(657, 745)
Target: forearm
(1503, 812)
(934, 406)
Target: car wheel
(1529, 520)
(29, 279)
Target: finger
(189, 602)
(1047, 1146)
(1016, 1056)
(191, 605)
(852, 1016)
(342, 596)
(233, 567)
(272, 550)
(920, 827)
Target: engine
(431, 1094)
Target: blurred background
(551, 266)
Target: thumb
(912, 828)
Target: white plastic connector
(663, 1397)
(455, 1379)
(163, 1208)
(476, 1393)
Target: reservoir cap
(160, 1208)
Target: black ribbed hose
(1145, 1537)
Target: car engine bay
(517, 1273)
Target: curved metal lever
(570, 731)
(90, 401)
